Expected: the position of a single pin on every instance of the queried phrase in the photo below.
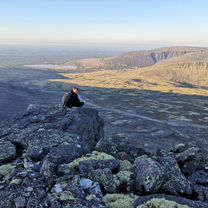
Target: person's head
(76, 90)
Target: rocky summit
(54, 157)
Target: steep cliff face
(193, 65)
(159, 56)
(148, 58)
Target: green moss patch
(119, 200)
(162, 203)
(93, 156)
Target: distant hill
(174, 69)
(150, 57)
(137, 59)
(188, 69)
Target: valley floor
(145, 118)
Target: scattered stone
(98, 156)
(88, 166)
(189, 157)
(16, 181)
(7, 151)
(175, 182)
(120, 148)
(6, 169)
(85, 183)
(29, 189)
(95, 190)
(106, 179)
(149, 174)
(57, 188)
(20, 202)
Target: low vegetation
(185, 72)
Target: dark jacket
(72, 100)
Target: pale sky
(172, 22)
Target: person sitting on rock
(71, 99)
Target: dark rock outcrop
(48, 159)
(41, 128)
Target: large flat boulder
(41, 128)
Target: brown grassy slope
(187, 74)
(188, 69)
(177, 75)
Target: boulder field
(54, 157)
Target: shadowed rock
(120, 148)
(41, 127)
(7, 151)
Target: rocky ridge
(150, 57)
(53, 157)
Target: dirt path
(171, 123)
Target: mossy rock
(119, 200)
(16, 181)
(93, 156)
(125, 165)
(162, 203)
(125, 178)
(64, 196)
(6, 169)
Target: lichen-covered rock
(91, 187)
(6, 169)
(149, 174)
(175, 182)
(106, 179)
(170, 202)
(125, 178)
(78, 191)
(48, 138)
(120, 148)
(88, 166)
(64, 153)
(125, 165)
(162, 203)
(7, 151)
(20, 202)
(119, 200)
(48, 171)
(42, 127)
(34, 202)
(189, 157)
(74, 165)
